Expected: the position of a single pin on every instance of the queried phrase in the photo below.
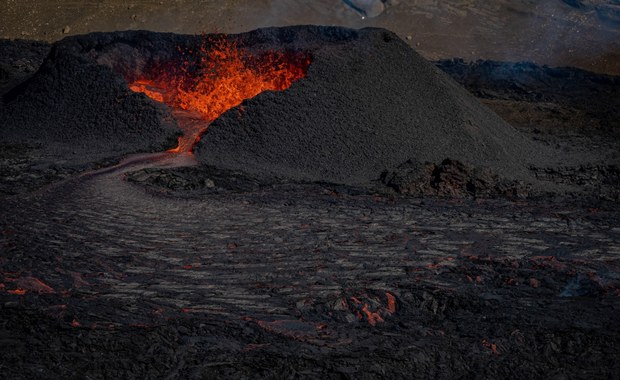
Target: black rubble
(81, 110)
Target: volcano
(305, 103)
(255, 240)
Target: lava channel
(216, 77)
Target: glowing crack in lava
(215, 78)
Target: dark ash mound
(81, 110)
(368, 103)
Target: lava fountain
(214, 78)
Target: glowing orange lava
(373, 317)
(216, 78)
(391, 303)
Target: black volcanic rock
(368, 103)
(450, 179)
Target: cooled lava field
(303, 202)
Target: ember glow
(372, 317)
(391, 303)
(372, 314)
(215, 78)
(27, 284)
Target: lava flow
(215, 78)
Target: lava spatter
(215, 78)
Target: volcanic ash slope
(82, 110)
(368, 103)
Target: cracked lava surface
(304, 269)
(101, 243)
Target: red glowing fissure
(218, 76)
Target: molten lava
(216, 78)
